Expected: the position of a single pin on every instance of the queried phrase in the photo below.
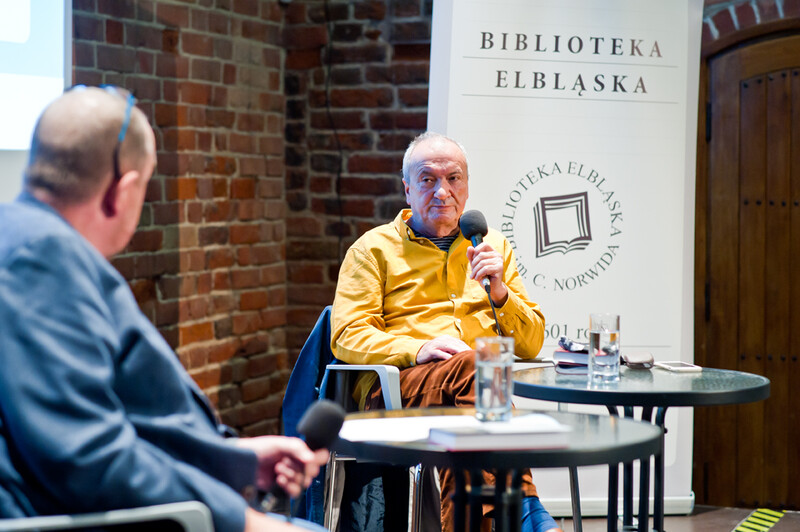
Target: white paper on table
(417, 428)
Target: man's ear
(405, 187)
(117, 193)
(110, 198)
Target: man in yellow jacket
(409, 294)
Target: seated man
(409, 295)
(96, 412)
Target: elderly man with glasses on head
(96, 413)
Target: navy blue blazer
(96, 411)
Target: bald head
(71, 157)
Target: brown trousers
(448, 382)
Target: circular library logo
(564, 220)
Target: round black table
(654, 388)
(593, 440)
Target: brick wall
(207, 264)
(356, 93)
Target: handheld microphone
(319, 426)
(473, 226)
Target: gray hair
(428, 135)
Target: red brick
(254, 389)
(359, 54)
(375, 164)
(219, 165)
(116, 59)
(791, 8)
(372, 10)
(246, 278)
(724, 22)
(172, 15)
(265, 364)
(250, 210)
(246, 7)
(196, 93)
(252, 166)
(768, 10)
(250, 122)
(146, 241)
(206, 70)
(305, 226)
(243, 189)
(412, 52)
(116, 9)
(192, 260)
(305, 37)
(303, 59)
(413, 97)
(253, 300)
(273, 318)
(247, 323)
(217, 211)
(86, 28)
(245, 234)
(197, 44)
(745, 15)
(222, 280)
(306, 274)
(198, 332)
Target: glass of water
(603, 348)
(494, 357)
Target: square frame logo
(562, 224)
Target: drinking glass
(604, 348)
(494, 357)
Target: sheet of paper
(408, 429)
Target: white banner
(579, 119)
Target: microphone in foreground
(321, 423)
(473, 226)
(319, 426)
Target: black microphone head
(473, 223)
(321, 423)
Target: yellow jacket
(396, 291)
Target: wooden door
(749, 273)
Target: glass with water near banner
(603, 348)
(494, 358)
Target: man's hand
(287, 462)
(440, 348)
(484, 261)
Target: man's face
(437, 187)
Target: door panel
(747, 455)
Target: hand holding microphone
(290, 461)
(486, 263)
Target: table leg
(577, 524)
(459, 500)
(515, 515)
(613, 492)
(501, 508)
(644, 494)
(658, 475)
(475, 503)
(627, 485)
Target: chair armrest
(192, 516)
(388, 375)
